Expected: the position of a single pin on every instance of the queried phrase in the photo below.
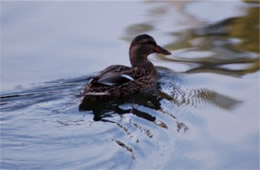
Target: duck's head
(141, 47)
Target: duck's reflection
(123, 106)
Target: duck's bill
(161, 50)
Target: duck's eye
(150, 43)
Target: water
(204, 113)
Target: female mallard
(119, 81)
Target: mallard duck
(118, 81)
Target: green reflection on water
(231, 41)
(246, 28)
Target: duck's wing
(111, 76)
(120, 75)
(114, 79)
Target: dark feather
(114, 79)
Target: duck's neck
(138, 58)
(138, 61)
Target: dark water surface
(204, 113)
